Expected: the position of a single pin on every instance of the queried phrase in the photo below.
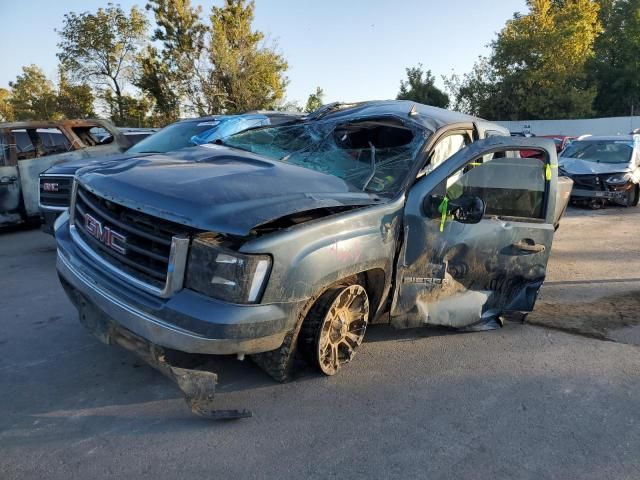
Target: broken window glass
(24, 146)
(372, 154)
(53, 141)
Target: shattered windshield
(600, 151)
(373, 154)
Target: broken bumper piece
(197, 386)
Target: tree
(6, 109)
(33, 96)
(137, 110)
(101, 47)
(420, 87)
(537, 67)
(615, 69)
(174, 76)
(315, 100)
(74, 101)
(247, 74)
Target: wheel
(335, 327)
(633, 196)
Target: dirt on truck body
(286, 242)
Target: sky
(352, 49)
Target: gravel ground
(526, 401)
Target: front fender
(307, 258)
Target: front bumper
(579, 194)
(48, 219)
(187, 321)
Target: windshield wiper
(373, 167)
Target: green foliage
(315, 100)
(288, 106)
(33, 96)
(246, 74)
(538, 65)
(174, 76)
(74, 101)
(136, 110)
(420, 87)
(615, 69)
(101, 48)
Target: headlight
(619, 178)
(225, 274)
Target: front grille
(588, 182)
(147, 239)
(55, 191)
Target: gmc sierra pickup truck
(287, 242)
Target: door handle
(8, 180)
(528, 245)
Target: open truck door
(477, 235)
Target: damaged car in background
(287, 242)
(55, 182)
(603, 170)
(28, 148)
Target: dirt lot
(526, 401)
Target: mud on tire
(279, 364)
(316, 328)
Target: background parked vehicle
(55, 183)
(603, 169)
(134, 135)
(294, 238)
(28, 148)
(561, 142)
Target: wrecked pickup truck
(55, 182)
(28, 148)
(286, 242)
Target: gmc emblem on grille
(50, 187)
(110, 238)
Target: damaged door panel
(478, 233)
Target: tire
(334, 327)
(279, 364)
(632, 200)
(517, 317)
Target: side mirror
(464, 209)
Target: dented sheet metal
(457, 274)
(220, 189)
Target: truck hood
(218, 189)
(575, 166)
(72, 163)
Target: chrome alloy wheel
(342, 328)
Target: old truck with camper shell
(28, 148)
(287, 242)
(55, 182)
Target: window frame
(544, 159)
